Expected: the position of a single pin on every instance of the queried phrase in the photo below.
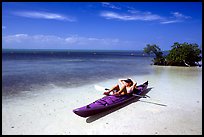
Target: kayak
(108, 102)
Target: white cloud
(43, 15)
(36, 39)
(17, 38)
(169, 21)
(145, 16)
(26, 41)
(177, 17)
(109, 5)
(180, 15)
(39, 41)
(79, 40)
(136, 15)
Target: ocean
(28, 70)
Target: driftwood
(186, 63)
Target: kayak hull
(107, 102)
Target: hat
(128, 80)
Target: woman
(127, 87)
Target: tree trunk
(186, 63)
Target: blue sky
(100, 25)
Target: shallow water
(174, 108)
(28, 70)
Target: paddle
(140, 96)
(100, 88)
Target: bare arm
(122, 81)
(134, 86)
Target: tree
(159, 59)
(184, 54)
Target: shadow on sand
(102, 114)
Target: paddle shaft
(138, 95)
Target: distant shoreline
(81, 50)
(70, 50)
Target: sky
(100, 25)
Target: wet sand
(174, 108)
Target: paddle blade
(99, 88)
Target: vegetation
(154, 49)
(180, 55)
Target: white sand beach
(174, 108)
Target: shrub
(183, 54)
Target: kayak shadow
(102, 114)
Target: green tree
(183, 54)
(154, 49)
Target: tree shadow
(102, 114)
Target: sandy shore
(175, 108)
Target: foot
(117, 94)
(106, 93)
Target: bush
(180, 55)
(183, 55)
(159, 59)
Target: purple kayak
(108, 102)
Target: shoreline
(50, 112)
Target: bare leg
(116, 87)
(122, 91)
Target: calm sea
(25, 70)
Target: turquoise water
(25, 70)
